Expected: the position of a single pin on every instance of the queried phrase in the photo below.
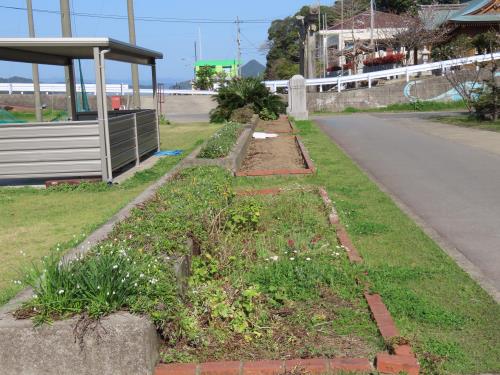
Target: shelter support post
(155, 102)
(71, 95)
(100, 113)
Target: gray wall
(47, 150)
(385, 93)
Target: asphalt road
(448, 180)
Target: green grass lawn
(34, 221)
(470, 122)
(452, 323)
(421, 106)
(28, 116)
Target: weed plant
(221, 143)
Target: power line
(144, 18)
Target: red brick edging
(309, 366)
(403, 359)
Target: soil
(273, 153)
(279, 126)
(289, 338)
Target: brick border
(271, 367)
(403, 359)
(309, 169)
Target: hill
(16, 79)
(253, 68)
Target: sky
(174, 39)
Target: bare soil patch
(282, 125)
(273, 153)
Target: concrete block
(121, 344)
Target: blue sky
(175, 40)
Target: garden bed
(282, 155)
(281, 125)
(276, 285)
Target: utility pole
(36, 76)
(136, 98)
(199, 44)
(372, 22)
(238, 41)
(68, 69)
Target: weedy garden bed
(274, 284)
(270, 280)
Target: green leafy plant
(242, 92)
(244, 216)
(242, 115)
(221, 143)
(205, 78)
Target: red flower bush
(388, 59)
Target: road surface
(446, 176)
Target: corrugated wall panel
(146, 130)
(122, 140)
(47, 150)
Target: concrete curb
(232, 161)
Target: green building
(230, 67)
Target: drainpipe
(106, 119)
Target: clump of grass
(419, 106)
(221, 143)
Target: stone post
(297, 99)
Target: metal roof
(59, 51)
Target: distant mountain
(16, 79)
(253, 68)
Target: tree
(418, 31)
(205, 78)
(285, 39)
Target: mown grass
(34, 221)
(419, 106)
(470, 122)
(48, 115)
(452, 323)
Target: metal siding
(146, 130)
(122, 140)
(61, 149)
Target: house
(229, 67)
(355, 35)
(470, 18)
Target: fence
(43, 150)
(74, 148)
(91, 88)
(406, 71)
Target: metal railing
(90, 88)
(406, 71)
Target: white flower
(274, 258)
(115, 266)
(141, 275)
(135, 284)
(98, 287)
(35, 296)
(292, 258)
(308, 259)
(61, 291)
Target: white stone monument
(297, 100)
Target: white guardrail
(90, 88)
(125, 89)
(404, 71)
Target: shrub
(242, 115)
(221, 143)
(388, 59)
(241, 92)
